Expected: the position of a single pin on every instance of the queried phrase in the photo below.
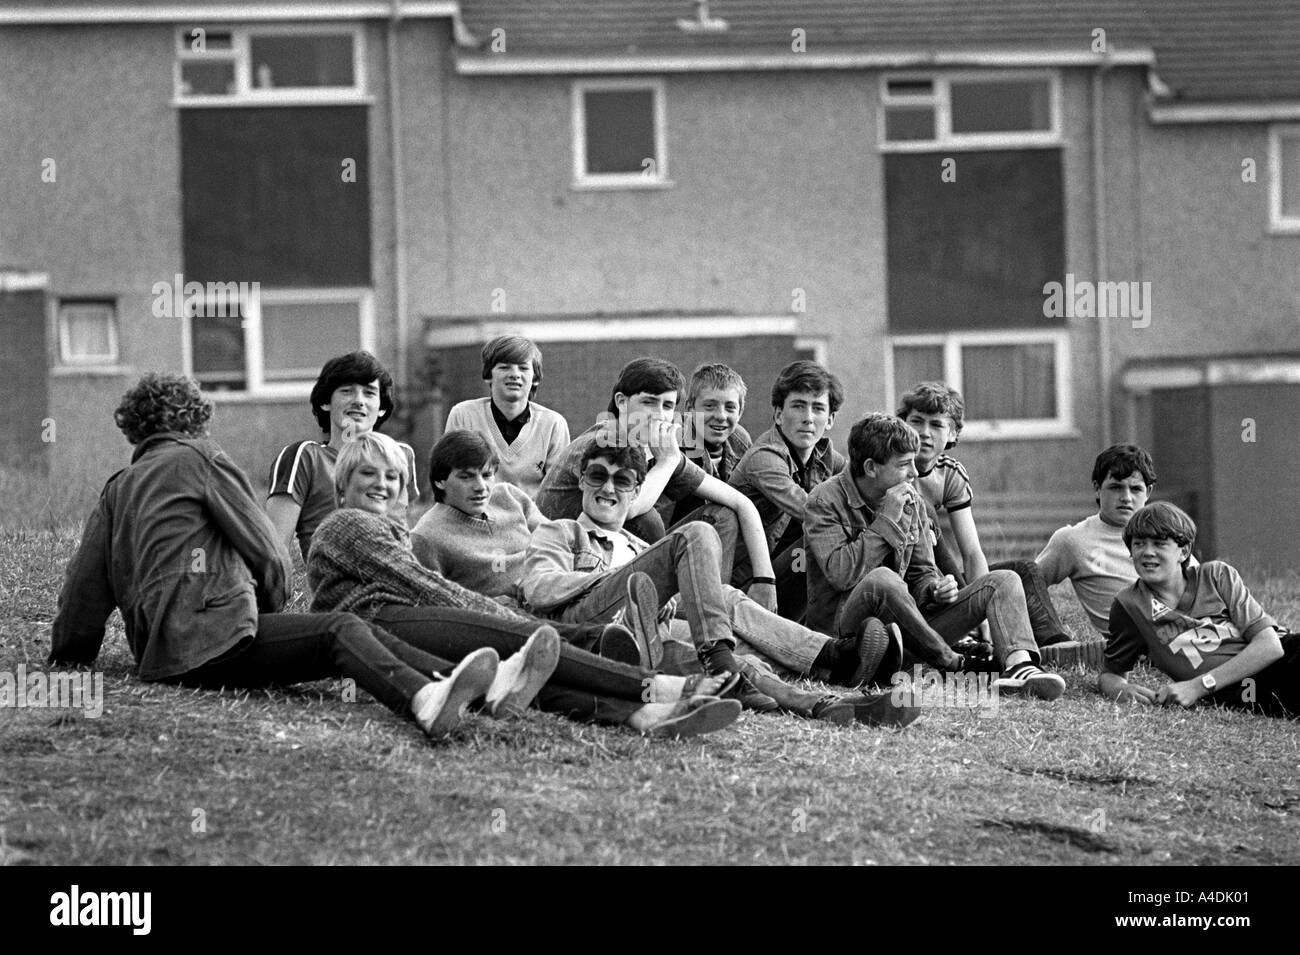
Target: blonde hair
(372, 446)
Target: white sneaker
(1030, 679)
(440, 706)
(521, 677)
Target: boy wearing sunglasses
(589, 568)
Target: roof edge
(229, 12)
(489, 64)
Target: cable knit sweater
(361, 561)
(485, 554)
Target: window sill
(283, 99)
(1284, 227)
(609, 185)
(1025, 431)
(287, 395)
(91, 371)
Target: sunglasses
(596, 477)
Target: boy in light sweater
(526, 437)
(477, 532)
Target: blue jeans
(997, 597)
(685, 562)
(1042, 612)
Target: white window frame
(66, 357)
(1279, 222)
(246, 94)
(257, 386)
(1061, 426)
(619, 180)
(940, 100)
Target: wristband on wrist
(763, 580)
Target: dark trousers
(1276, 688)
(1042, 612)
(584, 685)
(293, 648)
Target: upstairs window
(927, 112)
(87, 332)
(268, 64)
(1284, 178)
(618, 134)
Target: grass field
(168, 775)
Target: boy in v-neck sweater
(527, 438)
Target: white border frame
(941, 101)
(1062, 426)
(66, 359)
(619, 180)
(240, 54)
(257, 387)
(1278, 223)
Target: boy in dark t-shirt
(1199, 625)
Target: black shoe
(616, 642)
(879, 709)
(873, 644)
(642, 613)
(751, 699)
(832, 709)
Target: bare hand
(1136, 694)
(764, 595)
(1186, 693)
(898, 501)
(944, 590)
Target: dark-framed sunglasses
(597, 476)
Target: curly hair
(159, 403)
(878, 437)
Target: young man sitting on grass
(786, 462)
(1198, 625)
(527, 438)
(642, 415)
(1092, 554)
(589, 568)
(935, 412)
(869, 556)
(715, 401)
(353, 394)
(178, 544)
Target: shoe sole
(470, 680)
(541, 656)
(642, 613)
(707, 718)
(1044, 686)
(865, 669)
(619, 645)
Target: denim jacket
(767, 476)
(847, 539)
(178, 543)
(564, 560)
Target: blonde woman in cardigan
(361, 559)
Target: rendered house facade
(889, 188)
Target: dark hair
(1121, 460)
(934, 397)
(1160, 521)
(456, 450)
(160, 403)
(715, 375)
(513, 350)
(355, 368)
(622, 456)
(810, 377)
(878, 437)
(653, 376)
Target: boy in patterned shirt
(935, 411)
(1199, 625)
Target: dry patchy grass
(300, 776)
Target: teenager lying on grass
(589, 568)
(178, 544)
(361, 561)
(1198, 624)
